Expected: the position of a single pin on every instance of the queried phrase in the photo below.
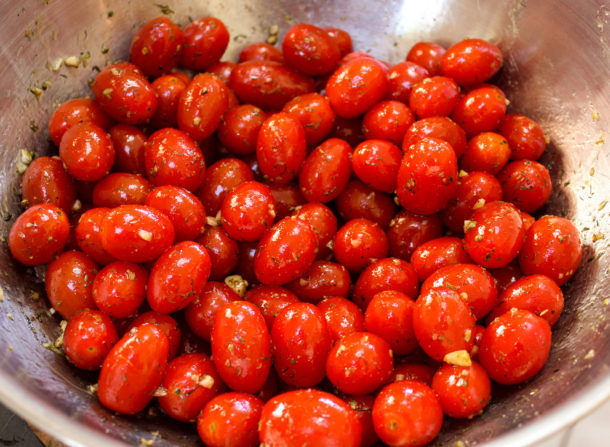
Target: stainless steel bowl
(556, 71)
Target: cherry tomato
(124, 93)
(342, 317)
(260, 51)
(157, 46)
(376, 163)
(286, 420)
(407, 413)
(88, 235)
(205, 41)
(288, 198)
(359, 201)
(487, 151)
(413, 371)
(515, 346)
(270, 300)
(323, 223)
(222, 70)
(230, 419)
(136, 233)
(46, 181)
(88, 337)
(120, 188)
(166, 324)
(471, 61)
(494, 234)
(190, 382)
(480, 110)
(463, 391)
(435, 96)
(363, 406)
(315, 114)
(323, 279)
(241, 346)
(39, 234)
(220, 178)
(200, 313)
(437, 253)
(223, 251)
(526, 184)
(239, 128)
(168, 89)
(128, 142)
(349, 130)
(440, 127)
(248, 211)
(310, 49)
(358, 243)
(73, 112)
(505, 276)
(301, 342)
(401, 79)
(341, 38)
(553, 248)
(407, 231)
(387, 120)
(245, 266)
(119, 289)
(87, 152)
(427, 55)
(525, 137)
(528, 220)
(133, 370)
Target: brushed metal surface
(556, 71)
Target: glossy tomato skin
(119, 289)
(323, 279)
(341, 37)
(356, 86)
(168, 89)
(407, 231)
(407, 413)
(241, 346)
(89, 237)
(46, 181)
(248, 211)
(183, 165)
(358, 243)
(473, 283)
(526, 184)
(427, 177)
(472, 61)
(205, 41)
(553, 248)
(177, 277)
(281, 148)
(260, 51)
(73, 112)
(315, 113)
(441, 127)
(220, 178)
(268, 83)
(413, 371)
(301, 343)
(133, 370)
(230, 419)
(525, 137)
(38, 234)
(156, 47)
(443, 323)
(191, 380)
(285, 252)
(515, 346)
(223, 251)
(487, 151)
(87, 152)
(463, 391)
(88, 337)
(200, 313)
(434, 96)
(183, 209)
(310, 49)
(387, 120)
(376, 163)
(389, 315)
(124, 93)
(128, 142)
(120, 188)
(437, 253)
(336, 422)
(201, 106)
(496, 236)
(427, 55)
(323, 223)
(359, 201)
(363, 406)
(480, 110)
(270, 300)
(401, 79)
(342, 317)
(360, 363)
(239, 128)
(136, 233)
(165, 323)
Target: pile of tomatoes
(307, 247)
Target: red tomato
(133, 370)
(239, 128)
(286, 421)
(359, 201)
(190, 382)
(200, 313)
(89, 237)
(427, 55)
(248, 211)
(241, 346)
(463, 391)
(342, 317)
(223, 251)
(363, 406)
(437, 253)
(183, 209)
(167, 325)
(360, 363)
(323, 279)
(230, 419)
(301, 342)
(168, 89)
(526, 184)
(494, 234)
(407, 231)
(270, 300)
(87, 152)
(505, 276)
(46, 181)
(356, 86)
(376, 163)
(120, 188)
(525, 137)
(553, 248)
(413, 371)
(285, 252)
(88, 337)
(341, 38)
(435, 96)
(39, 234)
(401, 79)
(223, 70)
(119, 289)
(288, 198)
(443, 323)
(205, 41)
(220, 178)
(136, 233)
(323, 223)
(128, 142)
(515, 346)
(427, 177)
(487, 151)
(310, 49)
(407, 414)
(349, 130)
(358, 243)
(245, 266)
(178, 277)
(73, 112)
(260, 51)
(471, 61)
(440, 127)
(480, 110)
(315, 114)
(387, 120)
(124, 93)
(157, 46)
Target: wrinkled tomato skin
(301, 342)
(260, 51)
(89, 237)
(526, 184)
(285, 252)
(463, 391)
(120, 288)
(323, 279)
(487, 151)
(270, 300)
(401, 79)
(136, 233)
(248, 211)
(553, 248)
(515, 346)
(133, 370)
(356, 86)
(120, 188)
(166, 324)
(323, 223)
(376, 163)
(342, 317)
(440, 127)
(200, 313)
(268, 84)
(525, 137)
(156, 47)
(201, 106)
(88, 338)
(434, 96)
(239, 129)
(73, 112)
(358, 243)
(230, 419)
(190, 380)
(87, 152)
(471, 61)
(46, 181)
(205, 41)
(128, 142)
(407, 414)
(310, 49)
(358, 201)
(168, 89)
(178, 277)
(241, 346)
(427, 55)
(315, 113)
(39, 234)
(223, 251)
(336, 423)
(437, 253)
